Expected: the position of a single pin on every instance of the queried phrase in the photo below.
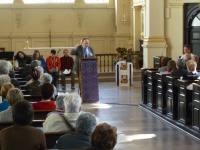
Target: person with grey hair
(45, 78)
(72, 108)
(41, 71)
(14, 95)
(187, 57)
(4, 67)
(195, 58)
(85, 125)
(59, 101)
(180, 71)
(4, 79)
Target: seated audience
(45, 78)
(4, 67)
(53, 66)
(35, 74)
(37, 56)
(14, 81)
(21, 60)
(26, 71)
(171, 66)
(46, 103)
(72, 107)
(4, 79)
(22, 136)
(192, 73)
(14, 95)
(4, 91)
(67, 62)
(104, 137)
(164, 61)
(180, 71)
(85, 125)
(41, 71)
(195, 58)
(187, 51)
(59, 101)
(187, 57)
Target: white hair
(4, 67)
(10, 65)
(72, 103)
(46, 78)
(40, 69)
(59, 101)
(4, 79)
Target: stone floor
(137, 130)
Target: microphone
(163, 50)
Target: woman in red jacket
(46, 103)
(53, 66)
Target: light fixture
(124, 20)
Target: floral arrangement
(121, 52)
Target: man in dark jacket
(81, 51)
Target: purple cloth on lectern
(89, 81)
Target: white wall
(70, 23)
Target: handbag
(66, 121)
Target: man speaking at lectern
(81, 51)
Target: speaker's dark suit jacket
(79, 53)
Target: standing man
(53, 66)
(81, 51)
(67, 62)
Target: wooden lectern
(88, 80)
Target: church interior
(119, 74)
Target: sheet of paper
(67, 71)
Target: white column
(154, 38)
(136, 28)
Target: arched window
(47, 1)
(6, 1)
(96, 1)
(196, 21)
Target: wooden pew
(144, 84)
(41, 114)
(151, 88)
(196, 107)
(35, 123)
(161, 89)
(184, 98)
(157, 61)
(32, 98)
(172, 97)
(52, 137)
